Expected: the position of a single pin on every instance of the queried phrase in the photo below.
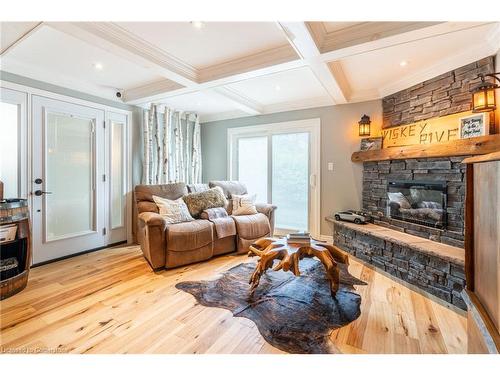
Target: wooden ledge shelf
(460, 147)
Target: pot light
(98, 66)
(198, 24)
(403, 63)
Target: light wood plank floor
(111, 302)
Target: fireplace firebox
(419, 202)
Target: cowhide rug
(294, 314)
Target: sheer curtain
(172, 146)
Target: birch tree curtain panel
(172, 146)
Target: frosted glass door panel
(117, 174)
(69, 164)
(290, 176)
(9, 149)
(252, 165)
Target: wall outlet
(330, 166)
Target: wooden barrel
(13, 210)
(17, 251)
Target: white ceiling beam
(181, 78)
(299, 36)
(399, 39)
(120, 42)
(149, 90)
(221, 82)
(243, 103)
(22, 37)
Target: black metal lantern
(364, 126)
(483, 94)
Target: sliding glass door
(290, 180)
(280, 163)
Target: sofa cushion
(230, 187)
(252, 226)
(144, 195)
(199, 202)
(189, 235)
(173, 211)
(243, 204)
(196, 188)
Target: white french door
(68, 184)
(280, 163)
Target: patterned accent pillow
(172, 211)
(203, 200)
(243, 204)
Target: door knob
(39, 192)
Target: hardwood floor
(111, 302)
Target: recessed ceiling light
(98, 66)
(277, 87)
(403, 63)
(198, 24)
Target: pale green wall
(340, 189)
(136, 113)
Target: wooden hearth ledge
(460, 147)
(450, 253)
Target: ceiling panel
(288, 86)
(331, 27)
(214, 43)
(200, 102)
(378, 68)
(52, 56)
(10, 32)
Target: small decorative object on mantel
(474, 126)
(483, 94)
(364, 126)
(357, 217)
(374, 143)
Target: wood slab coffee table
(289, 256)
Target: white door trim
(19, 98)
(313, 127)
(27, 173)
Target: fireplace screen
(417, 202)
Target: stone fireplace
(418, 203)
(446, 173)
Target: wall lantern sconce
(364, 126)
(483, 95)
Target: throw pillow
(172, 211)
(400, 199)
(198, 202)
(243, 204)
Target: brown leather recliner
(173, 245)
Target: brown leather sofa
(174, 245)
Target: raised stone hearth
(435, 267)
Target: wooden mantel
(461, 147)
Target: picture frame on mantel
(475, 125)
(369, 144)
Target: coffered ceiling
(234, 69)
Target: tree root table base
(289, 255)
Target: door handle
(39, 192)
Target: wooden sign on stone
(431, 131)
